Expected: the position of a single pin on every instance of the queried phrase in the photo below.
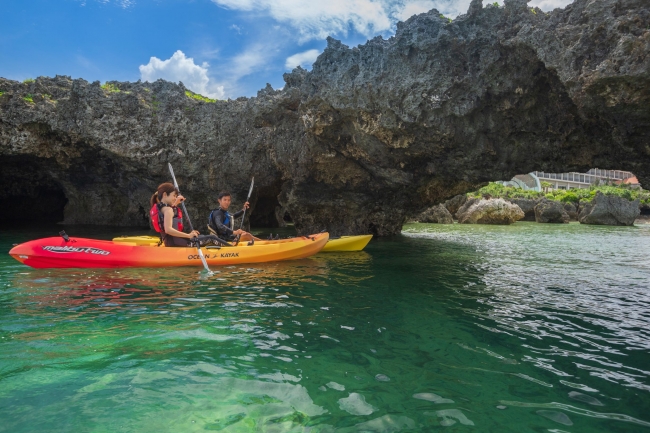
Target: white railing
(590, 177)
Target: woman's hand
(193, 234)
(179, 199)
(239, 232)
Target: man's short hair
(223, 194)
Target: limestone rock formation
(437, 214)
(489, 211)
(453, 204)
(366, 139)
(609, 210)
(527, 206)
(571, 210)
(547, 211)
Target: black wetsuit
(221, 222)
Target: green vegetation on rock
(198, 97)
(498, 190)
(28, 80)
(29, 98)
(110, 88)
(1, 93)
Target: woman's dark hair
(162, 188)
(223, 194)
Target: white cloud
(549, 5)
(181, 68)
(318, 19)
(306, 58)
(248, 61)
(413, 8)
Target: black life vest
(228, 221)
(158, 219)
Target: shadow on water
(490, 329)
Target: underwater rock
(355, 404)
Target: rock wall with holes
(371, 136)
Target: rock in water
(571, 210)
(609, 210)
(559, 417)
(437, 214)
(454, 203)
(527, 206)
(355, 404)
(547, 211)
(490, 211)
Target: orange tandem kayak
(55, 252)
(344, 243)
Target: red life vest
(158, 219)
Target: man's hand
(247, 205)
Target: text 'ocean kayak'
(55, 252)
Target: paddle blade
(250, 191)
(171, 171)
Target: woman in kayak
(167, 219)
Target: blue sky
(219, 48)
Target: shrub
(498, 190)
(198, 97)
(110, 88)
(569, 197)
(28, 80)
(29, 98)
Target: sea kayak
(347, 243)
(344, 243)
(56, 252)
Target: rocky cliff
(372, 135)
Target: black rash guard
(220, 221)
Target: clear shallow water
(462, 328)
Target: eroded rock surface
(489, 211)
(453, 204)
(547, 211)
(437, 214)
(527, 206)
(368, 138)
(609, 210)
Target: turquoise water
(526, 328)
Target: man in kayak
(167, 219)
(221, 223)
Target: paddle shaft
(189, 222)
(250, 191)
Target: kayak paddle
(250, 191)
(198, 246)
